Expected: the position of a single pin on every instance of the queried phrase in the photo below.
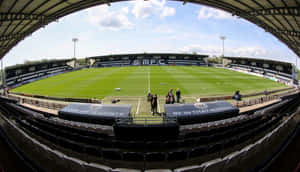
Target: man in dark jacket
(154, 104)
(237, 96)
(178, 94)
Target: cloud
(104, 18)
(168, 11)
(166, 29)
(246, 51)
(207, 13)
(144, 9)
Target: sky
(153, 26)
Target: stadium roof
(20, 18)
(258, 59)
(149, 54)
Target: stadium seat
(106, 143)
(188, 142)
(247, 159)
(92, 167)
(216, 147)
(216, 137)
(51, 157)
(87, 139)
(155, 156)
(63, 142)
(76, 146)
(275, 140)
(59, 160)
(170, 144)
(111, 154)
(265, 148)
(215, 165)
(177, 155)
(122, 144)
(233, 161)
(93, 150)
(229, 142)
(243, 137)
(194, 168)
(74, 164)
(191, 135)
(159, 170)
(253, 155)
(197, 152)
(133, 156)
(137, 145)
(202, 140)
(125, 170)
(153, 144)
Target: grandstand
(21, 74)
(248, 135)
(236, 141)
(148, 59)
(102, 137)
(274, 70)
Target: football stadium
(150, 112)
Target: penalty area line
(138, 106)
(158, 105)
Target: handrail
(147, 120)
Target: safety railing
(147, 120)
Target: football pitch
(138, 81)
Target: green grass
(134, 81)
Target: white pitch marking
(149, 80)
(158, 105)
(138, 106)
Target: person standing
(149, 96)
(266, 92)
(154, 104)
(168, 97)
(237, 97)
(178, 94)
(172, 98)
